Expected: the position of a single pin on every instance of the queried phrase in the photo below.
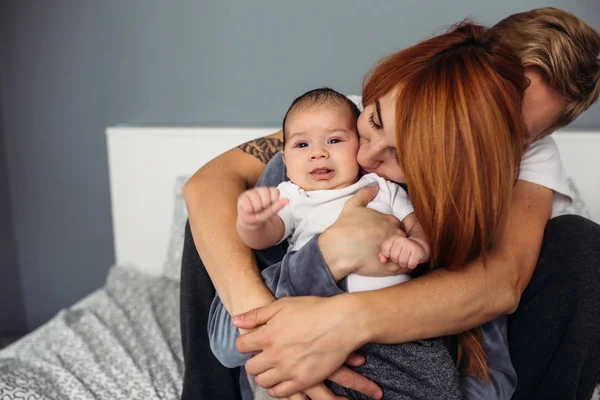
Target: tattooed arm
(210, 196)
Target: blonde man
(547, 275)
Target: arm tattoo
(263, 148)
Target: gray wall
(77, 66)
(12, 316)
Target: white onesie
(311, 212)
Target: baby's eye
(301, 145)
(334, 141)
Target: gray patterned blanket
(122, 342)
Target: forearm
(450, 301)
(440, 303)
(211, 203)
(261, 236)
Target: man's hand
(301, 341)
(344, 377)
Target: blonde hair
(564, 48)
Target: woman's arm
(448, 301)
(440, 303)
(210, 197)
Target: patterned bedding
(122, 342)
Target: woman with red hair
(445, 117)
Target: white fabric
(311, 212)
(542, 165)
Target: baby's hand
(256, 206)
(403, 251)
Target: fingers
(260, 203)
(382, 259)
(321, 392)
(268, 378)
(256, 317)
(283, 389)
(415, 259)
(259, 364)
(355, 360)
(386, 247)
(353, 380)
(271, 210)
(400, 253)
(398, 250)
(362, 197)
(296, 396)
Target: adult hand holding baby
(353, 242)
(300, 343)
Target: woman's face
(377, 130)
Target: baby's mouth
(321, 173)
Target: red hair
(459, 134)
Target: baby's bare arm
(258, 224)
(415, 232)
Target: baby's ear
(282, 156)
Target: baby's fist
(256, 206)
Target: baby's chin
(326, 185)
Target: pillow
(172, 264)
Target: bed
(122, 341)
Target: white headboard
(144, 164)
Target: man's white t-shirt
(541, 165)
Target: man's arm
(210, 197)
(448, 301)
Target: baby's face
(321, 147)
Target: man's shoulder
(274, 172)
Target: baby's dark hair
(320, 96)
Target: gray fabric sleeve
(503, 377)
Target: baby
(320, 147)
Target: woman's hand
(344, 377)
(302, 342)
(353, 242)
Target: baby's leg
(411, 371)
